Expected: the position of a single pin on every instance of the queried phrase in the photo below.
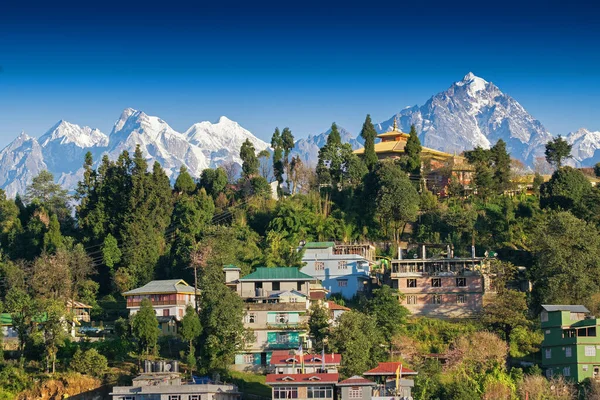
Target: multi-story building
(169, 299)
(276, 301)
(570, 347)
(162, 381)
(341, 268)
(441, 287)
(391, 379)
(303, 386)
(288, 362)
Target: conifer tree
(249, 160)
(278, 170)
(412, 150)
(557, 150)
(53, 239)
(144, 327)
(214, 181)
(369, 134)
(287, 142)
(190, 330)
(185, 182)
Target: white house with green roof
(341, 268)
(276, 301)
(169, 299)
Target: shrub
(89, 362)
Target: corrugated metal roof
(571, 308)
(299, 379)
(319, 245)
(277, 274)
(356, 381)
(164, 286)
(389, 368)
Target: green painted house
(571, 347)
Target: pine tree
(287, 142)
(412, 152)
(53, 239)
(249, 160)
(278, 170)
(185, 182)
(318, 325)
(557, 150)
(144, 327)
(369, 134)
(190, 330)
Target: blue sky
(297, 64)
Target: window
(166, 312)
(461, 282)
(584, 368)
(548, 373)
(548, 353)
(282, 318)
(411, 283)
(355, 393)
(436, 299)
(299, 286)
(590, 351)
(342, 282)
(174, 397)
(249, 358)
(250, 318)
(282, 338)
(320, 392)
(568, 352)
(276, 286)
(567, 371)
(285, 393)
(127, 398)
(461, 299)
(577, 316)
(194, 397)
(544, 316)
(319, 265)
(436, 282)
(181, 313)
(342, 265)
(569, 333)
(293, 299)
(411, 299)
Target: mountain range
(471, 112)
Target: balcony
(158, 303)
(275, 306)
(288, 326)
(283, 346)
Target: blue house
(343, 269)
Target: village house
(169, 299)
(570, 346)
(303, 386)
(342, 268)
(391, 379)
(447, 287)
(161, 380)
(288, 362)
(276, 303)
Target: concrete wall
(353, 268)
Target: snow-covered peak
(584, 143)
(65, 132)
(125, 115)
(224, 120)
(23, 136)
(473, 83)
(223, 134)
(142, 124)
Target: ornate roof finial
(395, 127)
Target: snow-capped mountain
(61, 150)
(585, 144)
(308, 148)
(20, 162)
(474, 112)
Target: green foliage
(397, 199)
(190, 326)
(185, 182)
(567, 189)
(221, 318)
(492, 169)
(249, 160)
(359, 339)
(318, 324)
(53, 331)
(52, 196)
(411, 162)
(111, 254)
(507, 311)
(557, 150)
(89, 362)
(214, 181)
(369, 134)
(53, 239)
(278, 165)
(389, 314)
(538, 181)
(566, 266)
(144, 328)
(337, 165)
(524, 341)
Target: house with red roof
(392, 380)
(286, 362)
(335, 311)
(303, 386)
(356, 388)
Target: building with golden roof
(437, 166)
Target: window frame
(319, 392)
(411, 283)
(342, 282)
(548, 354)
(461, 298)
(461, 282)
(319, 266)
(355, 392)
(436, 299)
(342, 264)
(411, 299)
(590, 351)
(436, 282)
(291, 390)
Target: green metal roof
(319, 245)
(230, 266)
(277, 274)
(6, 319)
(165, 286)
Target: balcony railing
(283, 346)
(159, 303)
(275, 306)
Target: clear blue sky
(301, 65)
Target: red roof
(389, 368)
(299, 379)
(334, 306)
(284, 357)
(356, 381)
